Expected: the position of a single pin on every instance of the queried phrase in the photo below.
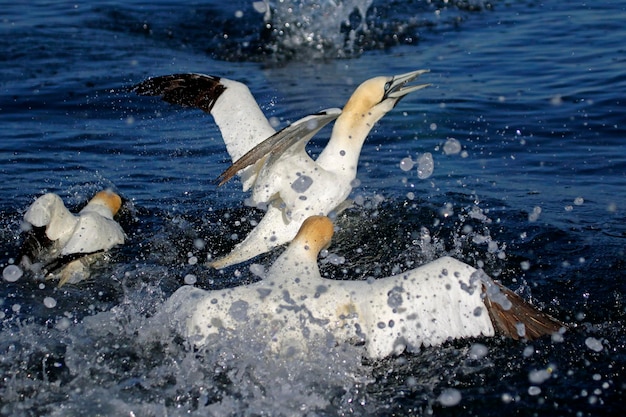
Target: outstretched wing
(237, 114)
(298, 133)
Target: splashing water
(323, 28)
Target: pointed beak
(398, 85)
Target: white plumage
(425, 306)
(283, 177)
(92, 230)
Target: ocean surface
(525, 123)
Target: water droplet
(259, 6)
(258, 270)
(594, 344)
(452, 147)
(274, 121)
(449, 397)
(12, 273)
(534, 216)
(528, 351)
(302, 183)
(406, 164)
(478, 351)
(538, 376)
(425, 165)
(63, 324)
(49, 302)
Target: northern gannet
(442, 300)
(283, 177)
(63, 245)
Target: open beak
(398, 85)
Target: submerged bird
(64, 245)
(284, 179)
(442, 300)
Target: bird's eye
(387, 85)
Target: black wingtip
(187, 90)
(517, 319)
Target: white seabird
(442, 300)
(66, 247)
(283, 177)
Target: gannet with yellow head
(70, 239)
(442, 300)
(283, 177)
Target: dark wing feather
(188, 90)
(536, 323)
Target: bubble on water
(199, 243)
(533, 390)
(407, 164)
(433, 126)
(190, 279)
(425, 165)
(452, 147)
(449, 397)
(192, 260)
(238, 14)
(594, 344)
(12, 273)
(525, 265)
(578, 201)
(49, 302)
(478, 351)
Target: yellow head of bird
(109, 199)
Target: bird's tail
(514, 317)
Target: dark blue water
(533, 91)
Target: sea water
(511, 161)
